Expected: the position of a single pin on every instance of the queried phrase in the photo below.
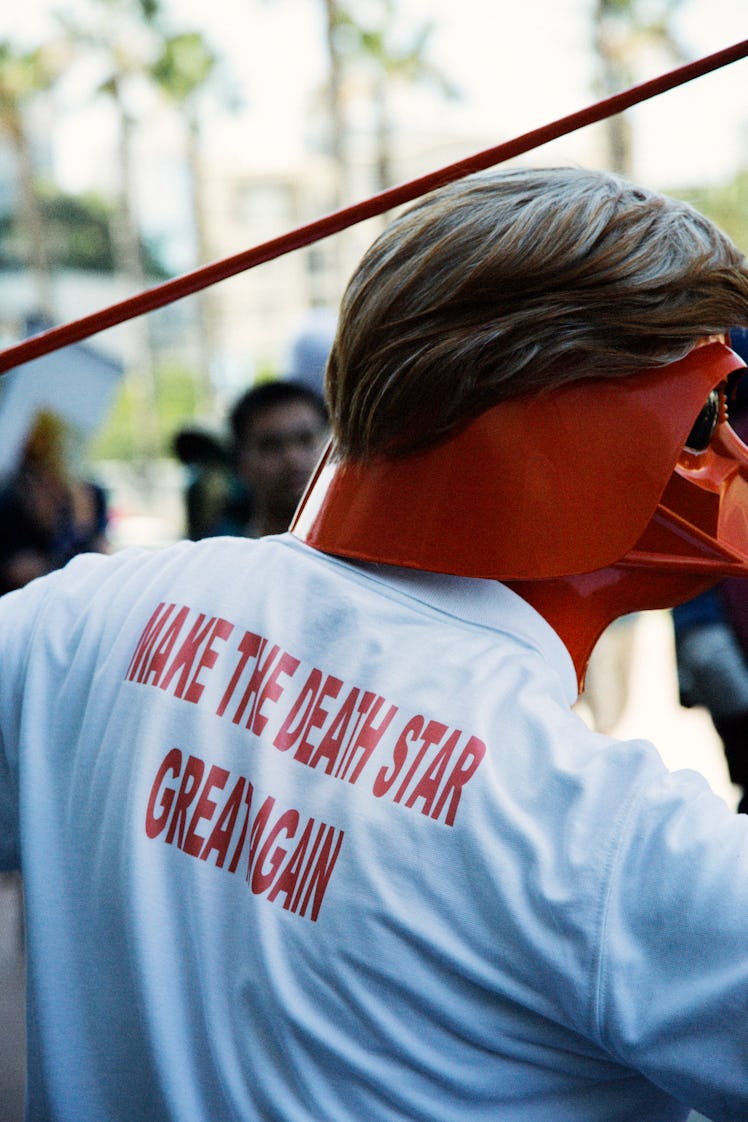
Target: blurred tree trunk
(24, 76)
(335, 18)
(182, 72)
(126, 245)
(622, 31)
(392, 65)
(122, 34)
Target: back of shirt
(306, 841)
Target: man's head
(278, 429)
(514, 281)
(513, 385)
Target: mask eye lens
(705, 424)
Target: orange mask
(583, 499)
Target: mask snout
(701, 522)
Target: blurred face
(277, 456)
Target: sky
(518, 64)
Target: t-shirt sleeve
(672, 992)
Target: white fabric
(554, 932)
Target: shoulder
(675, 902)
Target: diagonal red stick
(185, 285)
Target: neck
(581, 606)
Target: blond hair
(46, 446)
(516, 281)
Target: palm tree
(622, 30)
(393, 66)
(182, 71)
(337, 18)
(122, 35)
(24, 76)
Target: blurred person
(347, 851)
(211, 484)
(47, 514)
(277, 432)
(251, 485)
(310, 348)
(713, 674)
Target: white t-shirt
(316, 842)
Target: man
(278, 429)
(308, 826)
(47, 514)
